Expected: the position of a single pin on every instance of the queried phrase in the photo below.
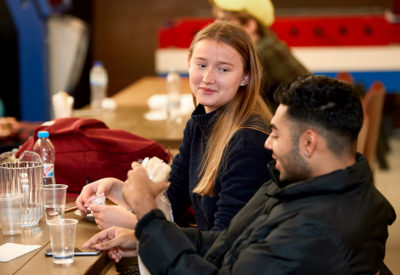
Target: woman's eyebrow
(225, 63)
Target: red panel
(333, 31)
(363, 30)
(180, 33)
(394, 33)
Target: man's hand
(140, 192)
(121, 242)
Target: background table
(131, 108)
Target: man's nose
(268, 143)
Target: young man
(323, 215)
(278, 63)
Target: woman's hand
(108, 186)
(112, 215)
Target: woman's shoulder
(254, 126)
(249, 132)
(248, 138)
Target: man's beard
(295, 168)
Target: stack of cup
(62, 231)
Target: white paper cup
(62, 240)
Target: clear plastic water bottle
(47, 153)
(173, 83)
(98, 84)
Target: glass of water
(62, 240)
(54, 200)
(10, 213)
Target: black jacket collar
(335, 182)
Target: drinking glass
(10, 213)
(54, 200)
(62, 240)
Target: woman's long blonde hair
(236, 114)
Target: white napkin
(156, 115)
(159, 101)
(10, 251)
(158, 106)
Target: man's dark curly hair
(332, 106)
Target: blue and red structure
(367, 46)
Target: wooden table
(35, 262)
(131, 107)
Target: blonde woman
(222, 161)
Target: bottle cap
(98, 63)
(43, 134)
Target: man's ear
(308, 143)
(250, 26)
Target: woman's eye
(223, 70)
(201, 65)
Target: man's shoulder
(269, 43)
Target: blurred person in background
(278, 63)
(13, 133)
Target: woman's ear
(245, 80)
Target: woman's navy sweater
(245, 171)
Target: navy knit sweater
(245, 172)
